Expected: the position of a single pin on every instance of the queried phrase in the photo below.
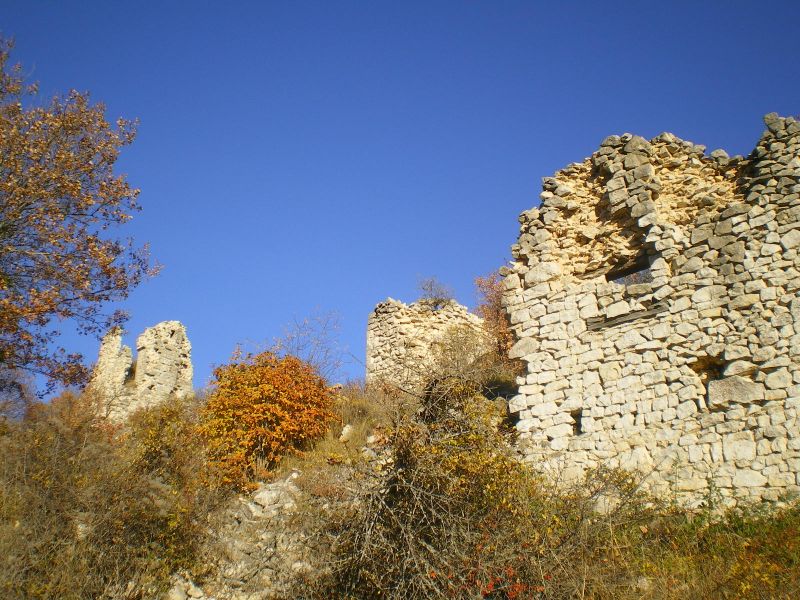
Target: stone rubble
(254, 554)
(655, 296)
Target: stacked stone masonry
(402, 339)
(162, 369)
(655, 296)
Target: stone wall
(402, 339)
(655, 296)
(162, 369)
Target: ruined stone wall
(655, 295)
(402, 339)
(162, 369)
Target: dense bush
(87, 511)
(261, 408)
(454, 514)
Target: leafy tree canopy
(59, 197)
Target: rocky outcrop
(402, 339)
(162, 369)
(254, 551)
(655, 296)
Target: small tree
(435, 293)
(494, 315)
(261, 408)
(315, 340)
(58, 197)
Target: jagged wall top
(163, 368)
(595, 214)
(401, 338)
(655, 295)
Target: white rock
(347, 434)
(734, 448)
(748, 478)
(733, 390)
(791, 239)
(543, 272)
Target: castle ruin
(402, 339)
(655, 299)
(162, 369)
(655, 296)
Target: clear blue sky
(302, 156)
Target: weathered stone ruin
(162, 369)
(402, 339)
(655, 295)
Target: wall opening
(577, 421)
(707, 369)
(631, 271)
(130, 375)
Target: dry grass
(325, 468)
(88, 510)
(440, 509)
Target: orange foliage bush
(262, 407)
(491, 310)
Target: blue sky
(301, 157)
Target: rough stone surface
(162, 369)
(655, 296)
(254, 552)
(402, 339)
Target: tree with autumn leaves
(59, 200)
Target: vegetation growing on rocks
(89, 510)
(446, 510)
(393, 490)
(420, 497)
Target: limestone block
(524, 347)
(747, 478)
(630, 339)
(617, 309)
(543, 409)
(517, 403)
(778, 379)
(791, 239)
(558, 431)
(543, 272)
(733, 390)
(708, 293)
(739, 367)
(739, 446)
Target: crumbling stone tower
(402, 339)
(655, 295)
(162, 369)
